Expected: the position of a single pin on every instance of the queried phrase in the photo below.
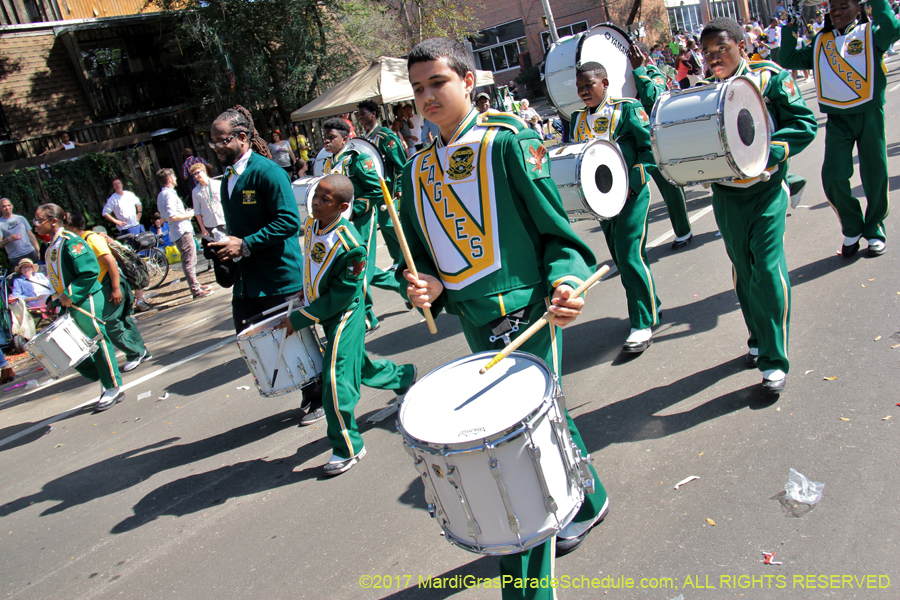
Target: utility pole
(554, 37)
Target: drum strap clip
(503, 327)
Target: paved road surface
(214, 492)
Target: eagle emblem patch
(76, 249)
(248, 197)
(790, 89)
(317, 254)
(601, 125)
(462, 163)
(855, 47)
(357, 268)
(537, 163)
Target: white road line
(134, 383)
(894, 88)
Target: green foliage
(531, 79)
(252, 52)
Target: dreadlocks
(241, 122)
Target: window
(724, 8)
(498, 48)
(684, 18)
(562, 32)
(104, 59)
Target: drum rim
(375, 153)
(279, 392)
(608, 25)
(725, 146)
(552, 390)
(584, 200)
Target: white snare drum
(364, 146)
(301, 361)
(592, 179)
(716, 132)
(500, 469)
(606, 44)
(61, 346)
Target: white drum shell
(61, 346)
(304, 188)
(606, 44)
(301, 361)
(535, 458)
(693, 134)
(572, 167)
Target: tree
(423, 19)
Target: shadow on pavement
(127, 469)
(34, 435)
(485, 567)
(213, 377)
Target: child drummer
(334, 271)
(751, 213)
(624, 121)
(489, 237)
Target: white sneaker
(337, 465)
(109, 398)
(131, 365)
(876, 247)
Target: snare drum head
(319, 165)
(747, 129)
(455, 404)
(603, 176)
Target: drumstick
(542, 321)
(86, 313)
(404, 247)
(281, 346)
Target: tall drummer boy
(624, 121)
(751, 213)
(850, 79)
(650, 84)
(489, 236)
(334, 273)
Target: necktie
(229, 172)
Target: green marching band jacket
(793, 123)
(849, 70)
(334, 269)
(650, 84)
(262, 210)
(482, 214)
(72, 267)
(391, 149)
(624, 121)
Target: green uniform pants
(537, 562)
(626, 238)
(673, 196)
(865, 130)
(102, 365)
(120, 327)
(346, 366)
(753, 231)
(385, 280)
(365, 225)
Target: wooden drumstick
(542, 321)
(404, 247)
(281, 346)
(87, 314)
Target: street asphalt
(195, 487)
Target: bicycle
(147, 246)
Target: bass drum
(592, 179)
(361, 145)
(319, 165)
(606, 44)
(304, 189)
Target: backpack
(130, 264)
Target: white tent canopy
(385, 81)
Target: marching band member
(650, 84)
(393, 156)
(74, 273)
(334, 274)
(751, 213)
(850, 79)
(366, 190)
(624, 121)
(489, 236)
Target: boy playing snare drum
(334, 271)
(490, 239)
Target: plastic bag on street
(801, 489)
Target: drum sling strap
(504, 326)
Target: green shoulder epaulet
(612, 100)
(347, 238)
(501, 119)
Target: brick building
(514, 35)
